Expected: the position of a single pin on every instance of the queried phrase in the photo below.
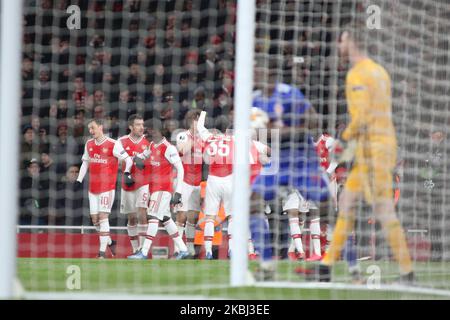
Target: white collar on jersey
(163, 140)
(135, 141)
(103, 139)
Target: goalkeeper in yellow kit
(371, 133)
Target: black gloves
(128, 179)
(139, 163)
(176, 199)
(77, 186)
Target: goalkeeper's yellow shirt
(368, 93)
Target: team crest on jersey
(127, 148)
(158, 153)
(278, 109)
(143, 147)
(105, 150)
(358, 88)
(90, 149)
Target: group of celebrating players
(150, 192)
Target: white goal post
(242, 100)
(10, 55)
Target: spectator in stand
(30, 145)
(64, 149)
(27, 69)
(79, 94)
(33, 195)
(126, 105)
(43, 85)
(67, 202)
(62, 109)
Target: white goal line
(345, 286)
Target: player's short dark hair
(192, 115)
(99, 122)
(134, 117)
(154, 124)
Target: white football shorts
(190, 198)
(101, 202)
(295, 201)
(131, 200)
(159, 205)
(218, 190)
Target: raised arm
(202, 131)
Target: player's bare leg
(295, 227)
(132, 231)
(192, 219)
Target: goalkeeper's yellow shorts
(372, 175)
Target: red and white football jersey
(219, 152)
(103, 164)
(323, 146)
(193, 159)
(162, 157)
(256, 150)
(134, 147)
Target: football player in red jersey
(190, 147)
(134, 199)
(163, 158)
(101, 155)
(219, 155)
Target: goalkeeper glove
(176, 199)
(129, 181)
(139, 163)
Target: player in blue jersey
(300, 182)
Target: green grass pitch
(194, 278)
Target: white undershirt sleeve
(202, 131)
(263, 151)
(180, 175)
(174, 158)
(83, 170)
(120, 153)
